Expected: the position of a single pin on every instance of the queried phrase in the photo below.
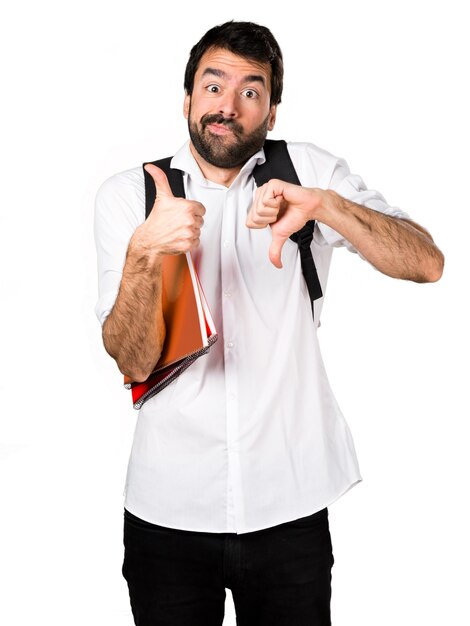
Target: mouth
(219, 129)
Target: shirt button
(227, 293)
(229, 344)
(226, 243)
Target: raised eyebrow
(221, 74)
(252, 78)
(214, 72)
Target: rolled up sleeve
(352, 187)
(119, 210)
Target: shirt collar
(184, 160)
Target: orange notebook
(190, 330)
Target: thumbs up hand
(174, 224)
(287, 208)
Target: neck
(220, 175)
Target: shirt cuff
(104, 305)
(353, 188)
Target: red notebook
(190, 330)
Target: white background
(90, 89)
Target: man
(234, 464)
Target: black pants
(278, 576)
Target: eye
(213, 88)
(250, 93)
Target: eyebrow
(250, 78)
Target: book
(190, 330)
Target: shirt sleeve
(352, 187)
(119, 210)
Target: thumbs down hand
(287, 208)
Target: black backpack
(278, 165)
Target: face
(228, 113)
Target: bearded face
(229, 111)
(222, 141)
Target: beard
(226, 151)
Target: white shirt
(250, 435)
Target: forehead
(234, 66)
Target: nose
(228, 104)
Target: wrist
(325, 204)
(142, 250)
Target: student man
(234, 464)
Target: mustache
(218, 118)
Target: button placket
(228, 262)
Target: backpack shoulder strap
(175, 178)
(279, 165)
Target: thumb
(160, 179)
(275, 250)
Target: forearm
(134, 331)
(394, 246)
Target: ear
(272, 116)
(187, 100)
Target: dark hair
(245, 39)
